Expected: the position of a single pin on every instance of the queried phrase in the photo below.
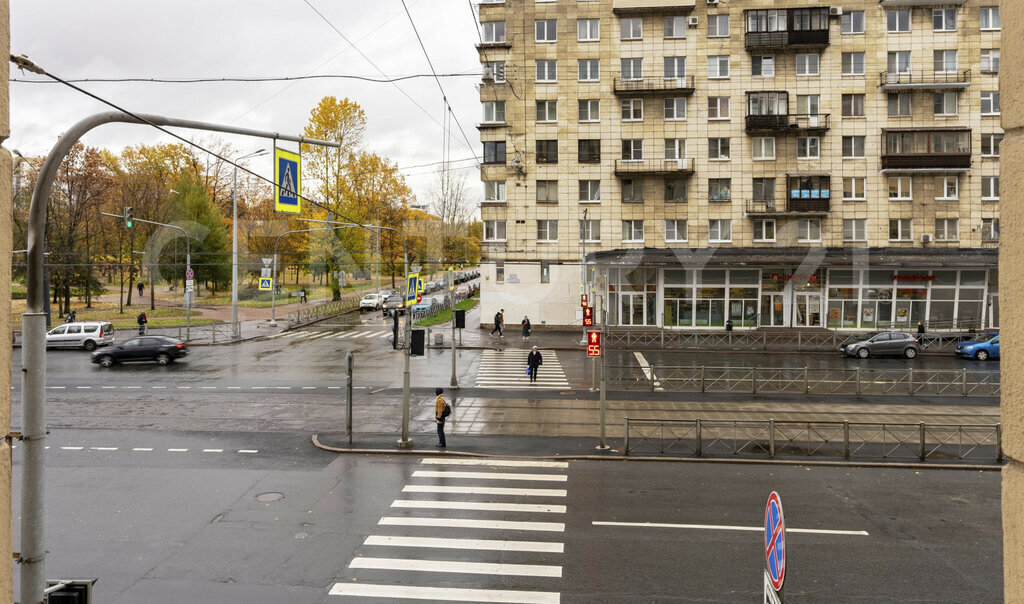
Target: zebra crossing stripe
(414, 488)
(479, 506)
(491, 476)
(497, 525)
(474, 544)
(452, 566)
(507, 463)
(445, 594)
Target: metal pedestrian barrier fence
(325, 310)
(804, 380)
(795, 439)
(760, 340)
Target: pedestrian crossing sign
(411, 288)
(266, 284)
(287, 181)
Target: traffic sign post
(774, 549)
(287, 181)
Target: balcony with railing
(925, 79)
(491, 125)
(654, 167)
(926, 150)
(781, 29)
(784, 40)
(790, 207)
(789, 122)
(632, 7)
(677, 85)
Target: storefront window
(743, 306)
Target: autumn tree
(448, 202)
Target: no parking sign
(774, 547)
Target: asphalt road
(170, 517)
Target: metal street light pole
(583, 272)
(235, 331)
(46, 266)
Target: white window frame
(493, 32)
(990, 229)
(718, 67)
(547, 191)
(636, 186)
(494, 110)
(673, 230)
(588, 70)
(992, 98)
(547, 111)
(810, 146)
(593, 113)
(724, 193)
(630, 229)
(807, 67)
(760, 144)
(549, 226)
(850, 65)
(943, 228)
(947, 188)
(715, 25)
(994, 140)
(635, 71)
(675, 148)
(635, 27)
(858, 102)
(674, 103)
(895, 63)
(990, 19)
(946, 96)
(634, 148)
(761, 228)
(849, 24)
(854, 139)
(672, 67)
(631, 110)
(588, 30)
(990, 188)
(941, 62)
(765, 61)
(494, 191)
(899, 104)
(674, 28)
(808, 230)
(990, 60)
(716, 104)
(857, 188)
(892, 25)
(716, 146)
(941, 21)
(902, 195)
(904, 229)
(587, 231)
(855, 229)
(545, 31)
(719, 230)
(497, 70)
(496, 230)
(590, 191)
(547, 71)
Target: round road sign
(190, 274)
(775, 541)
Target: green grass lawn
(445, 316)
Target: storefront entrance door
(635, 309)
(772, 310)
(807, 310)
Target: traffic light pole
(602, 446)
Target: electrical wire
(325, 76)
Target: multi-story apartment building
(758, 162)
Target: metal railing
(791, 439)
(435, 309)
(761, 340)
(216, 332)
(325, 310)
(805, 380)
(925, 77)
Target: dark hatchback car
(889, 343)
(161, 349)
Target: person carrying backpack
(142, 320)
(441, 413)
(499, 323)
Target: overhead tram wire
(260, 79)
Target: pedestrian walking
(526, 329)
(533, 362)
(142, 321)
(302, 295)
(499, 323)
(71, 318)
(441, 413)
(920, 328)
(142, 288)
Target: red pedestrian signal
(583, 300)
(593, 343)
(588, 317)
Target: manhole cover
(265, 497)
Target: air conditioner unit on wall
(712, 1)
(927, 238)
(692, 21)
(835, 11)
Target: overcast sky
(251, 38)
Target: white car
(371, 302)
(86, 334)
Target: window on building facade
(590, 151)
(764, 189)
(767, 103)
(762, 148)
(947, 188)
(990, 229)
(632, 189)
(547, 152)
(590, 191)
(589, 110)
(494, 191)
(762, 66)
(631, 69)
(494, 32)
(766, 20)
(853, 105)
(675, 108)
(547, 230)
(631, 28)
(675, 230)
(897, 21)
(718, 66)
(853, 147)
(807, 64)
(494, 152)
(808, 147)
(675, 148)
(496, 70)
(853, 63)
(990, 103)
(990, 60)
(588, 30)
(590, 230)
(718, 26)
(901, 229)
(547, 71)
(499, 272)
(675, 189)
(852, 22)
(719, 230)
(545, 271)
(990, 144)
(808, 104)
(547, 111)
(944, 19)
(588, 70)
(718, 107)
(494, 230)
(764, 229)
(853, 188)
(990, 18)
(632, 231)
(899, 104)
(675, 27)
(855, 229)
(944, 61)
(675, 67)
(632, 149)
(947, 229)
(898, 61)
(494, 112)
(546, 30)
(808, 230)
(719, 189)
(547, 191)
(900, 188)
(990, 188)
(945, 103)
(718, 148)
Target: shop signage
(808, 278)
(913, 278)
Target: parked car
(161, 349)
(394, 303)
(384, 293)
(86, 334)
(424, 305)
(371, 302)
(888, 343)
(462, 290)
(983, 348)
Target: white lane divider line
(415, 488)
(491, 476)
(309, 387)
(56, 387)
(259, 387)
(444, 594)
(248, 451)
(234, 387)
(131, 387)
(503, 463)
(497, 545)
(108, 387)
(430, 504)
(159, 387)
(72, 448)
(470, 568)
(208, 387)
(184, 387)
(103, 448)
(84, 387)
(336, 387)
(498, 525)
(724, 527)
(177, 450)
(282, 387)
(142, 449)
(647, 370)
(213, 450)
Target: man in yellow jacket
(439, 416)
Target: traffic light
(583, 300)
(128, 218)
(593, 343)
(394, 329)
(460, 319)
(419, 340)
(588, 316)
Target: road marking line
(131, 387)
(248, 451)
(447, 594)
(386, 334)
(282, 387)
(338, 387)
(84, 387)
(470, 568)
(498, 525)
(72, 448)
(108, 387)
(478, 505)
(478, 544)
(259, 387)
(142, 449)
(234, 387)
(56, 387)
(508, 463)
(208, 387)
(213, 450)
(288, 334)
(184, 387)
(309, 387)
(176, 450)
(346, 334)
(647, 370)
(415, 488)
(720, 527)
(491, 476)
(159, 387)
(103, 448)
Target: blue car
(984, 348)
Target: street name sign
(287, 181)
